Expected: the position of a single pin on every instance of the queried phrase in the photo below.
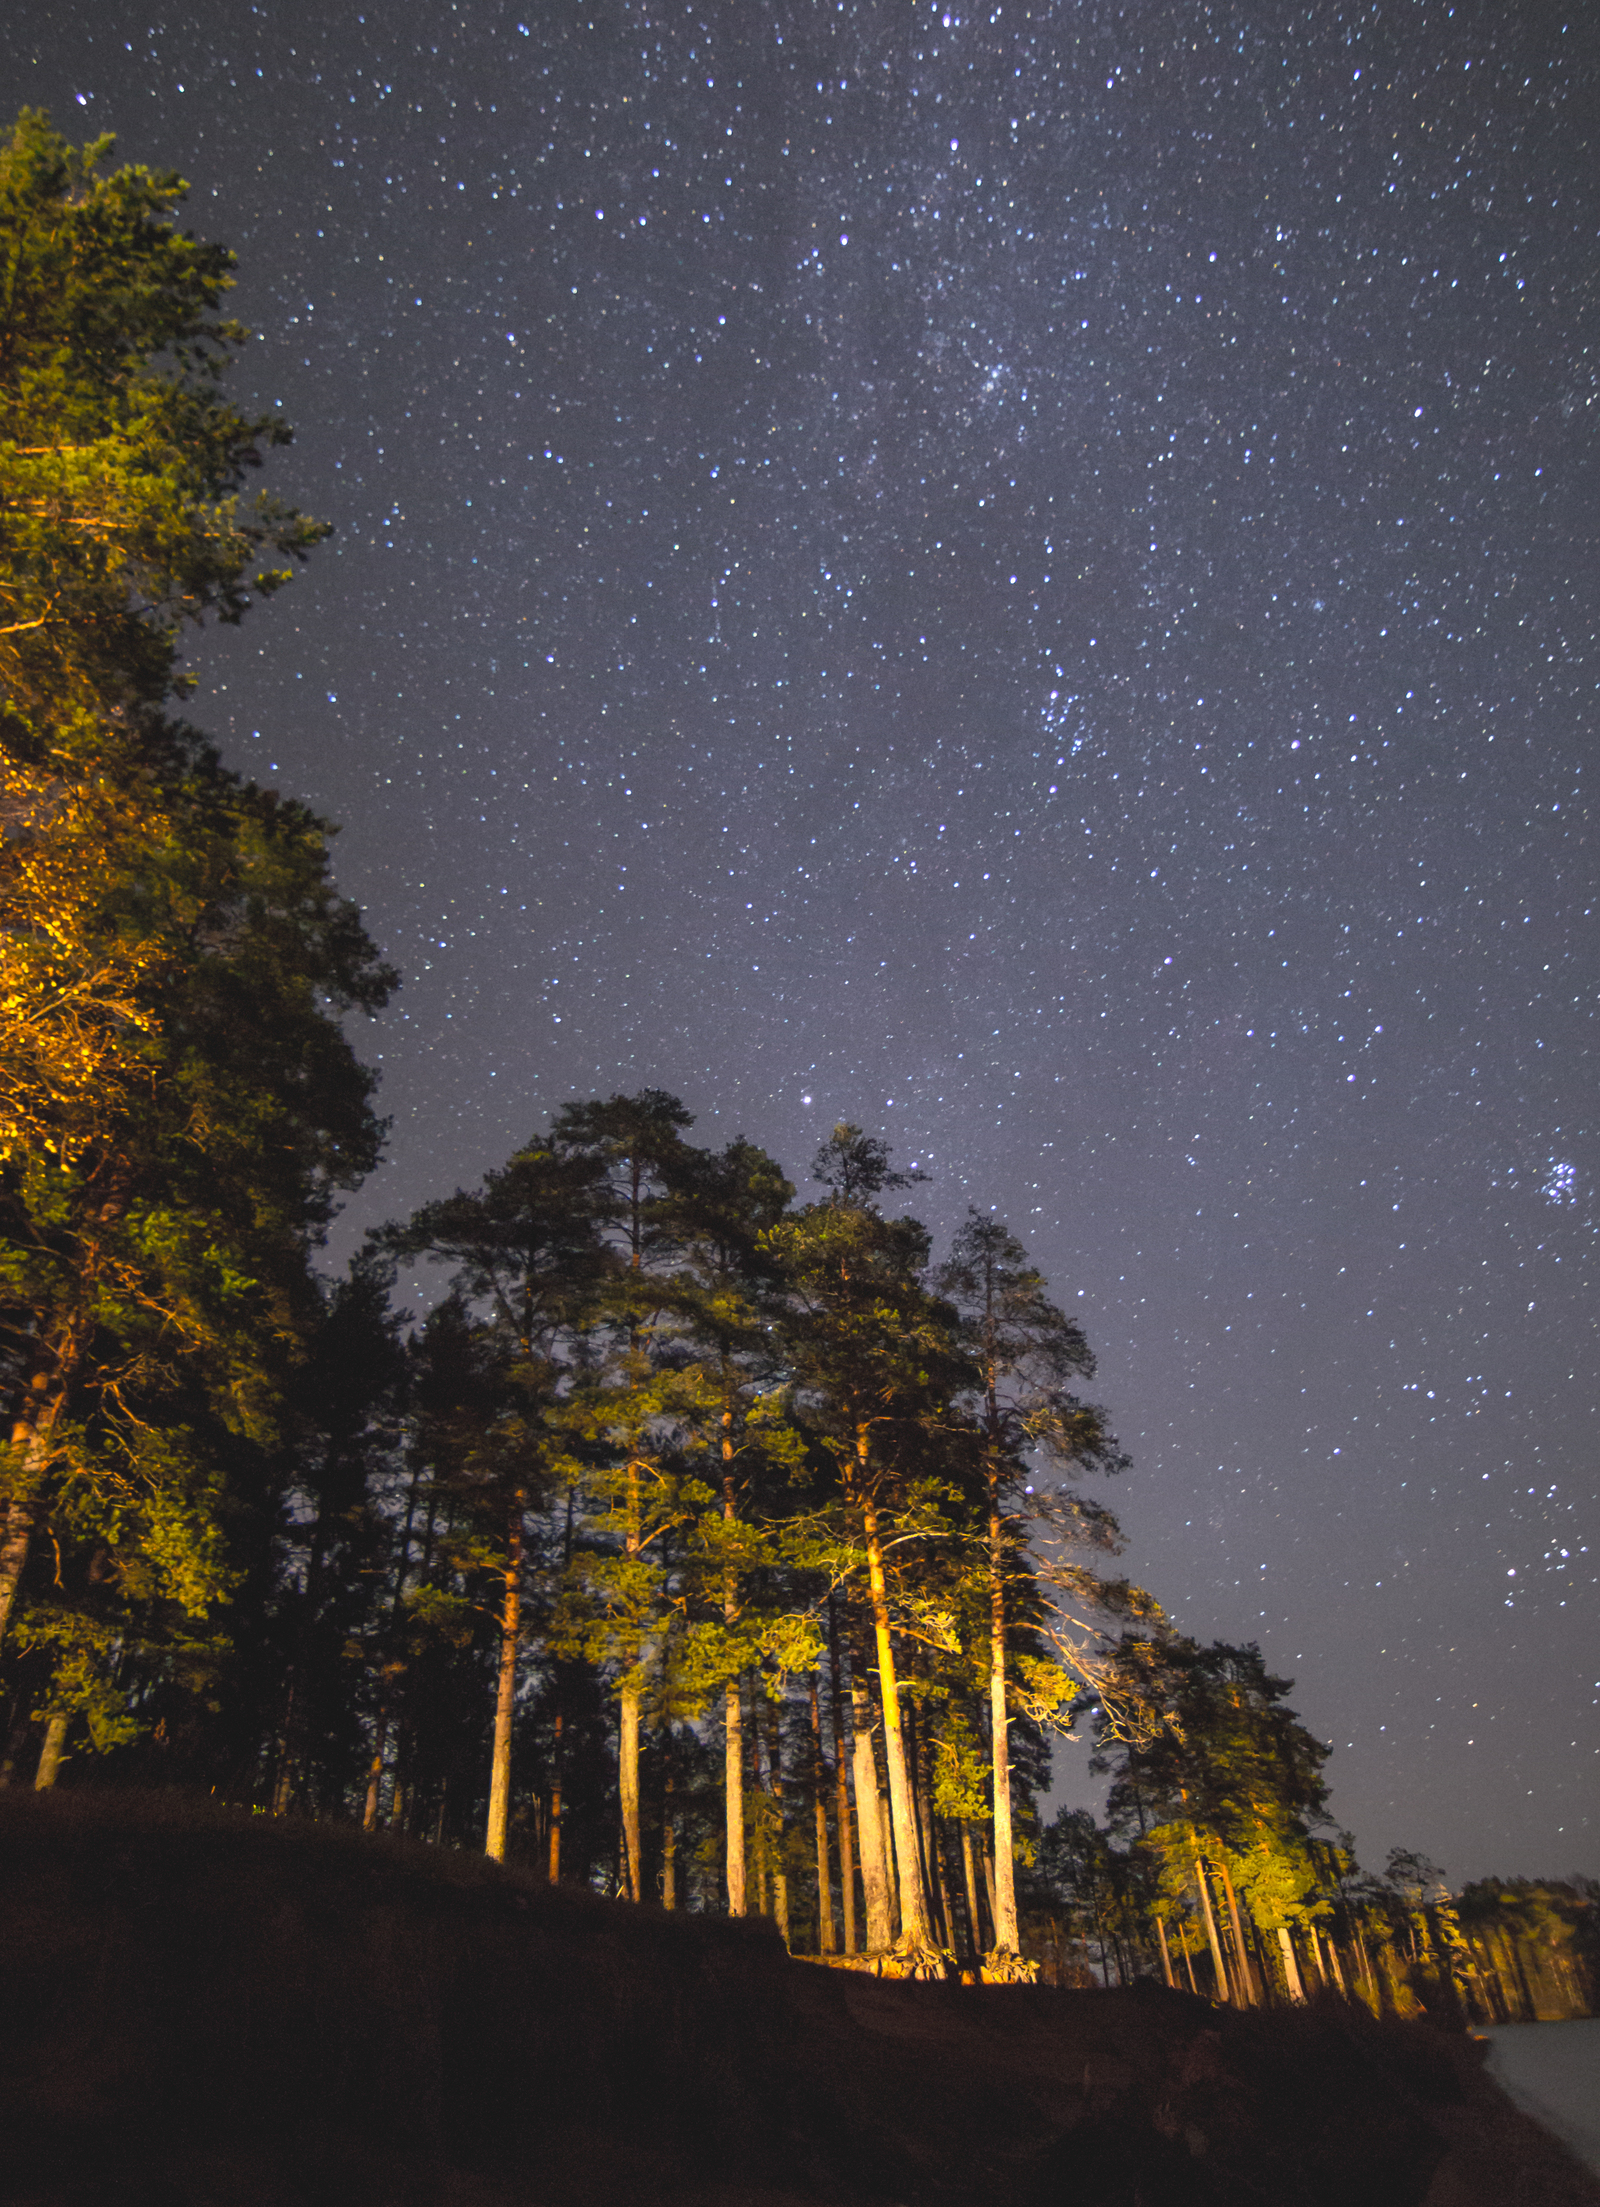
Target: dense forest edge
(694, 1540)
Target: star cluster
(1025, 575)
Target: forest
(704, 1538)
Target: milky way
(1027, 577)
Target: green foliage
(121, 464)
(179, 1105)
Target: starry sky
(1024, 575)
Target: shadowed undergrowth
(201, 2006)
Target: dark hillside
(213, 2008)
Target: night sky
(1025, 576)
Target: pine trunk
(1166, 1958)
(733, 1710)
(557, 1748)
(869, 1826)
(780, 1862)
(819, 1797)
(506, 1699)
(841, 1780)
(914, 1928)
(733, 1789)
(52, 1753)
(1291, 1968)
(1224, 1990)
(669, 1840)
(628, 1788)
(1336, 1969)
(1247, 1975)
(1005, 1886)
(369, 1812)
(30, 1445)
(969, 1870)
(631, 1699)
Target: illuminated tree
(121, 466)
(723, 1203)
(155, 1290)
(1027, 1354)
(877, 1363)
(178, 1104)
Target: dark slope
(214, 2008)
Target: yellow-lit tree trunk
(969, 1871)
(556, 1749)
(31, 1436)
(1005, 1885)
(914, 1928)
(1224, 1991)
(732, 1701)
(1246, 1973)
(1291, 1968)
(628, 1787)
(52, 1752)
(819, 1802)
(631, 1700)
(505, 1705)
(1166, 1958)
(869, 1824)
(841, 1783)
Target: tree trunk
(869, 1826)
(733, 1709)
(31, 1435)
(1291, 1968)
(628, 1789)
(1166, 1958)
(669, 1834)
(891, 1880)
(631, 1698)
(733, 1790)
(369, 1812)
(1247, 1976)
(506, 1698)
(914, 1929)
(1335, 1967)
(919, 1761)
(941, 1888)
(557, 1749)
(52, 1754)
(1224, 1990)
(1005, 1887)
(969, 1869)
(841, 1780)
(819, 1797)
(780, 1864)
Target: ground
(207, 2009)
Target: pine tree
(155, 1290)
(121, 465)
(525, 1263)
(877, 1363)
(722, 1204)
(178, 1103)
(1028, 1354)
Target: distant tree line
(717, 1547)
(1218, 1869)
